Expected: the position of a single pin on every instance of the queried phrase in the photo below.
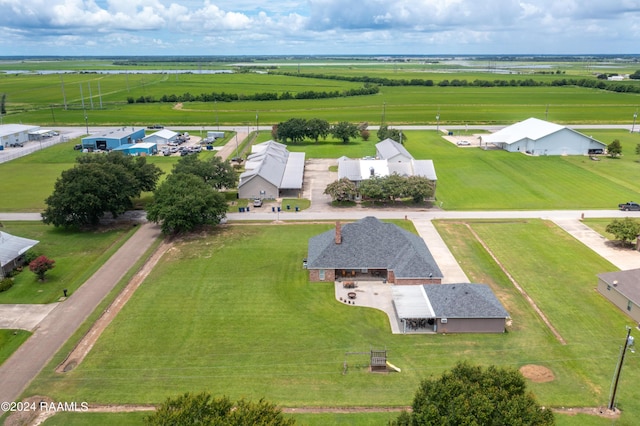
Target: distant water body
(44, 72)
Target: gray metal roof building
(271, 169)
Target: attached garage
(449, 308)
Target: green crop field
(37, 98)
(260, 329)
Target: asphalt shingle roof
(464, 301)
(372, 244)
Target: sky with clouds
(322, 27)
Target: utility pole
(616, 378)
(635, 116)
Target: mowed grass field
(260, 329)
(468, 178)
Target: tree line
(611, 86)
(367, 89)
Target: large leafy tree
(473, 395)
(385, 132)
(215, 172)
(202, 409)
(344, 131)
(373, 188)
(84, 193)
(625, 230)
(419, 188)
(317, 128)
(294, 129)
(183, 202)
(146, 174)
(341, 190)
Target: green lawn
(10, 340)
(260, 329)
(475, 179)
(77, 254)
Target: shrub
(6, 284)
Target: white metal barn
(538, 137)
(15, 133)
(162, 137)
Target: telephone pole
(627, 342)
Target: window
(321, 274)
(629, 304)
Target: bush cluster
(6, 284)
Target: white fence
(9, 154)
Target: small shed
(12, 250)
(141, 148)
(112, 139)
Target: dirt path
(77, 355)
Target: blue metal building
(114, 138)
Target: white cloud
(320, 26)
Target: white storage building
(539, 137)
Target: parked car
(629, 206)
(16, 145)
(257, 202)
(464, 143)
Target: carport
(413, 308)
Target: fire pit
(351, 295)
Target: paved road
(57, 327)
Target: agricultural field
(245, 323)
(36, 98)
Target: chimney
(338, 233)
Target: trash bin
(241, 209)
(279, 209)
(288, 207)
(273, 209)
(297, 208)
(247, 208)
(209, 147)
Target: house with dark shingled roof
(371, 250)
